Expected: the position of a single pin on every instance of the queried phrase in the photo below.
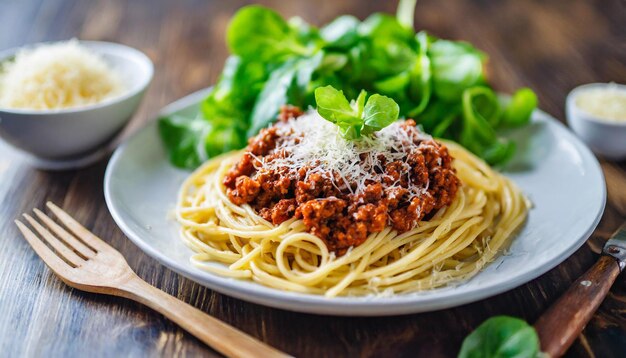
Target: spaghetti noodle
(450, 246)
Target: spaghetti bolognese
(303, 209)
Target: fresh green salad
(439, 83)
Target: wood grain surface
(562, 323)
(550, 46)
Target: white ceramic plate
(557, 172)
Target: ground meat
(328, 206)
(246, 190)
(283, 210)
(264, 142)
(287, 112)
(319, 214)
(245, 166)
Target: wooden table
(550, 46)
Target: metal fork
(85, 262)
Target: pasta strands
(454, 245)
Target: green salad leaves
(439, 83)
(501, 337)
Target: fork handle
(562, 323)
(220, 336)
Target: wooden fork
(84, 261)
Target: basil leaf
(341, 33)
(381, 25)
(388, 57)
(287, 84)
(379, 112)
(333, 106)
(273, 95)
(477, 134)
(183, 140)
(258, 33)
(229, 101)
(223, 139)
(519, 108)
(223, 113)
(421, 76)
(393, 85)
(350, 127)
(456, 66)
(486, 104)
(359, 104)
(333, 62)
(436, 112)
(445, 125)
(501, 337)
(359, 117)
(305, 34)
(240, 81)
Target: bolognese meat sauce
(379, 185)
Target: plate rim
(338, 306)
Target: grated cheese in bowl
(607, 103)
(57, 76)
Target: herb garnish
(359, 117)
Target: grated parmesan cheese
(605, 103)
(312, 141)
(56, 76)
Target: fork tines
(55, 245)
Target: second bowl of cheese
(62, 101)
(596, 112)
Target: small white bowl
(72, 137)
(606, 138)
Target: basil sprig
(359, 117)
